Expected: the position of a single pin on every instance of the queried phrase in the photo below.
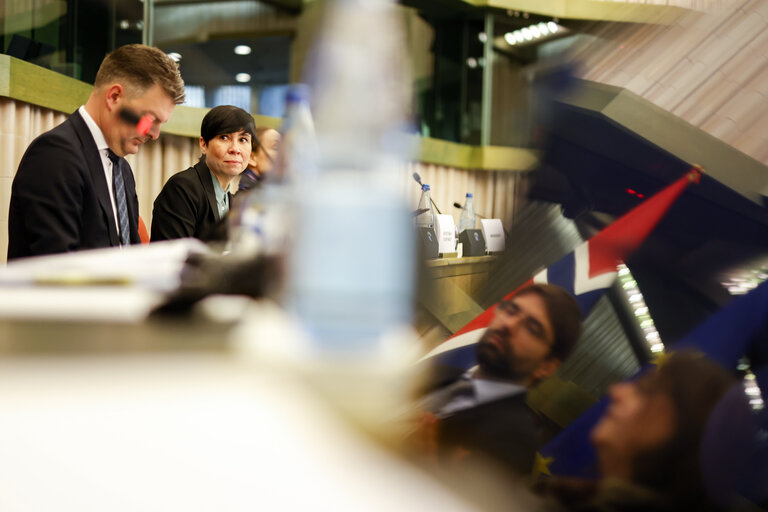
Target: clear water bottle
(263, 219)
(467, 219)
(297, 160)
(425, 219)
(351, 268)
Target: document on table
(114, 284)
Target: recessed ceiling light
(175, 56)
(243, 77)
(242, 49)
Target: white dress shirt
(106, 163)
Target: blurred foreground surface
(194, 431)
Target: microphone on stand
(457, 205)
(143, 123)
(417, 177)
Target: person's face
(227, 154)
(261, 161)
(518, 342)
(639, 418)
(122, 137)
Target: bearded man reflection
(482, 413)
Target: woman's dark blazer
(186, 207)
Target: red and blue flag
(587, 272)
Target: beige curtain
(157, 161)
(496, 193)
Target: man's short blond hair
(138, 67)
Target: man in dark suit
(73, 189)
(482, 413)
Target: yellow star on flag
(661, 359)
(541, 465)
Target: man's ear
(547, 368)
(203, 145)
(114, 94)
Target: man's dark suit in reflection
(63, 195)
(482, 413)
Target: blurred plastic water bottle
(350, 280)
(297, 160)
(264, 218)
(467, 219)
(425, 219)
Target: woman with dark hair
(264, 148)
(648, 441)
(193, 202)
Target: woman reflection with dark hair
(193, 202)
(648, 441)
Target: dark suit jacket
(502, 430)
(59, 198)
(186, 207)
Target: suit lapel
(206, 178)
(96, 172)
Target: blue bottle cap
(297, 93)
(425, 187)
(469, 194)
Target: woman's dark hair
(694, 384)
(226, 119)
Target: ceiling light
(553, 27)
(543, 28)
(527, 34)
(535, 31)
(509, 37)
(242, 49)
(472, 62)
(482, 37)
(175, 56)
(243, 77)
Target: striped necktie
(118, 186)
(445, 400)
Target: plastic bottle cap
(297, 93)
(469, 194)
(425, 187)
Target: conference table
(190, 415)
(105, 405)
